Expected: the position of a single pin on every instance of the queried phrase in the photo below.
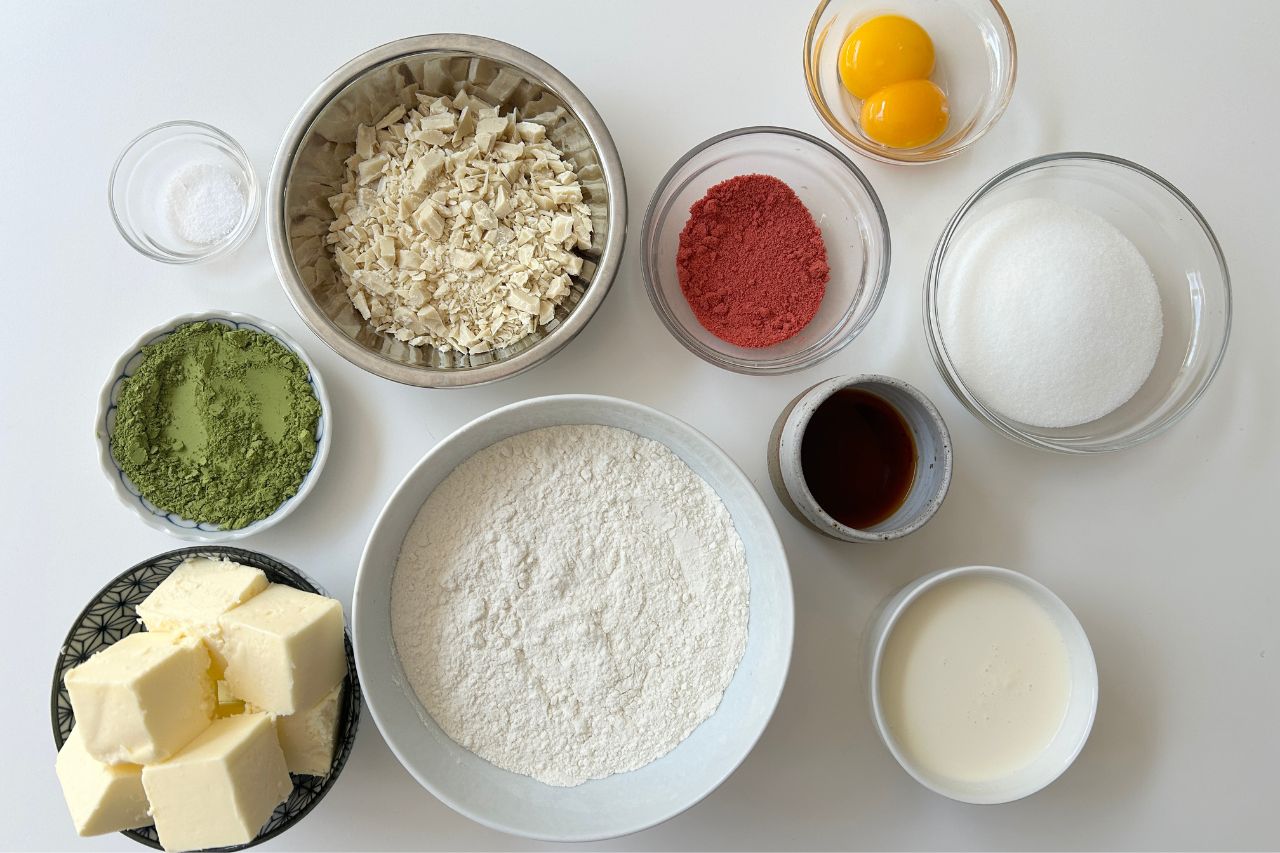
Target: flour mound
(571, 603)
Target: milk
(974, 681)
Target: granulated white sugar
(1050, 314)
(203, 202)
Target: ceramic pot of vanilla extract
(863, 458)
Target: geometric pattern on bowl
(112, 614)
(132, 496)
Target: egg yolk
(905, 115)
(886, 49)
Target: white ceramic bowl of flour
(624, 802)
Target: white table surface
(1163, 551)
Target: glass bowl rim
(951, 376)
(813, 354)
(253, 199)
(906, 157)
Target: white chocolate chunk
(390, 118)
(522, 300)
(365, 140)
(561, 227)
(372, 168)
(456, 206)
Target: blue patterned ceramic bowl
(129, 494)
(112, 614)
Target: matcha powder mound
(217, 425)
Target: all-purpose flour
(571, 603)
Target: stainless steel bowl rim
(943, 363)
(606, 268)
(806, 358)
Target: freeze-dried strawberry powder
(752, 263)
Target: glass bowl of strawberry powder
(756, 299)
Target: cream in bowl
(983, 684)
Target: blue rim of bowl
(752, 491)
(807, 357)
(908, 156)
(114, 609)
(170, 522)
(237, 235)
(951, 376)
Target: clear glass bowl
(976, 63)
(140, 178)
(1184, 256)
(843, 204)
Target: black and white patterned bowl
(112, 614)
(131, 496)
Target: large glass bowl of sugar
(1177, 244)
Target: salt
(203, 203)
(1050, 315)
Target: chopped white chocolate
(457, 225)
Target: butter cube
(228, 703)
(308, 737)
(143, 698)
(222, 788)
(101, 797)
(284, 649)
(190, 600)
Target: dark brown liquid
(858, 458)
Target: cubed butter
(308, 737)
(101, 797)
(228, 703)
(222, 788)
(284, 649)
(142, 698)
(190, 600)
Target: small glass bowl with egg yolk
(923, 81)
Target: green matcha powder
(217, 425)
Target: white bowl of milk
(982, 683)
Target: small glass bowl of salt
(184, 192)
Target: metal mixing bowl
(309, 168)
